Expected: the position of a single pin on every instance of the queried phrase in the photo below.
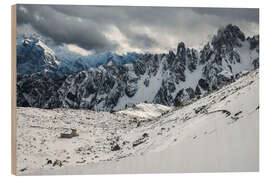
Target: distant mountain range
(34, 56)
(117, 82)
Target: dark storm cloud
(64, 29)
(248, 14)
(82, 25)
(124, 18)
(142, 27)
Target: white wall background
(5, 86)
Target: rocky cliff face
(34, 56)
(168, 79)
(34, 90)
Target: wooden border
(13, 89)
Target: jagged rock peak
(254, 42)
(181, 48)
(34, 56)
(228, 37)
(171, 54)
(205, 53)
(168, 79)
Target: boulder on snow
(57, 163)
(115, 147)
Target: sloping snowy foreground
(219, 132)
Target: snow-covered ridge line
(218, 132)
(34, 48)
(169, 79)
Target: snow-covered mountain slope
(169, 79)
(78, 63)
(218, 132)
(144, 110)
(34, 56)
(35, 89)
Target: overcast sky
(125, 29)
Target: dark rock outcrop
(168, 79)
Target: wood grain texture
(13, 89)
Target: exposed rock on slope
(168, 79)
(208, 130)
(35, 89)
(34, 56)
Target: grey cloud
(248, 14)
(143, 41)
(64, 29)
(124, 18)
(191, 25)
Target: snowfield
(216, 133)
(144, 110)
